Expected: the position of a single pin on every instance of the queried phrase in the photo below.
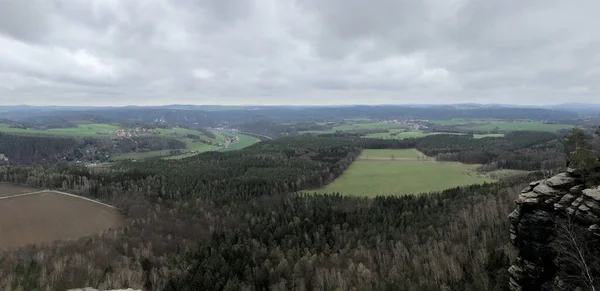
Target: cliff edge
(556, 229)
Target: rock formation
(535, 230)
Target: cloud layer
(149, 52)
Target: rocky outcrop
(92, 289)
(534, 229)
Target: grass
(143, 155)
(356, 126)
(244, 141)
(459, 121)
(516, 126)
(81, 130)
(478, 136)
(373, 178)
(402, 135)
(400, 154)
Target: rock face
(92, 289)
(534, 228)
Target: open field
(488, 135)
(379, 174)
(516, 126)
(50, 216)
(372, 178)
(8, 189)
(389, 154)
(81, 130)
(357, 126)
(244, 141)
(402, 135)
(478, 124)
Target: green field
(454, 121)
(397, 154)
(356, 126)
(244, 141)
(401, 135)
(143, 155)
(81, 130)
(517, 126)
(488, 135)
(374, 177)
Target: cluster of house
(130, 132)
(413, 124)
(3, 160)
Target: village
(412, 124)
(131, 132)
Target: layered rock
(534, 227)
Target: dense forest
(521, 150)
(246, 220)
(30, 150)
(230, 221)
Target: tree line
(231, 221)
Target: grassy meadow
(380, 175)
(517, 126)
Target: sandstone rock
(526, 200)
(592, 193)
(576, 190)
(567, 199)
(562, 181)
(546, 190)
(587, 216)
(583, 208)
(592, 205)
(577, 202)
(514, 215)
(533, 227)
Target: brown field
(7, 189)
(50, 216)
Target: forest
(32, 150)
(230, 221)
(233, 221)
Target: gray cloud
(109, 52)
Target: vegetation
(81, 130)
(375, 177)
(231, 221)
(515, 126)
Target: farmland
(488, 135)
(80, 130)
(243, 141)
(515, 126)
(352, 126)
(50, 216)
(7, 189)
(486, 125)
(379, 174)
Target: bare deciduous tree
(576, 256)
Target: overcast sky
(150, 52)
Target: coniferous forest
(246, 220)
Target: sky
(298, 52)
